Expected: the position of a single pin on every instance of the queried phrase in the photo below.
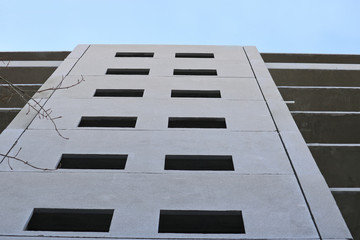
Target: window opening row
(174, 93)
(173, 122)
(146, 71)
(170, 221)
(151, 54)
(172, 162)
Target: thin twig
(24, 162)
(62, 88)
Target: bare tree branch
(6, 156)
(37, 106)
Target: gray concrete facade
(275, 183)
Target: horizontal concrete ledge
(310, 58)
(34, 56)
(22, 85)
(329, 127)
(317, 87)
(317, 66)
(333, 145)
(30, 63)
(9, 109)
(325, 112)
(345, 189)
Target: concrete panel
(318, 127)
(282, 117)
(164, 67)
(7, 139)
(323, 207)
(153, 114)
(306, 77)
(78, 51)
(164, 61)
(160, 87)
(348, 203)
(262, 75)
(147, 149)
(138, 199)
(167, 51)
(55, 79)
(322, 99)
(339, 164)
(10, 64)
(26, 115)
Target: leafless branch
(37, 106)
(6, 156)
(62, 88)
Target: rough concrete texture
(138, 198)
(312, 99)
(348, 203)
(315, 77)
(335, 161)
(275, 202)
(322, 127)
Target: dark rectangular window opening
(135, 54)
(119, 93)
(128, 71)
(193, 221)
(196, 72)
(195, 122)
(92, 161)
(194, 55)
(195, 94)
(199, 162)
(70, 220)
(112, 122)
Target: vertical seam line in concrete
(16, 141)
(282, 142)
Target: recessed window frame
(201, 222)
(70, 220)
(194, 55)
(134, 54)
(119, 93)
(127, 71)
(195, 72)
(199, 162)
(178, 93)
(108, 122)
(197, 122)
(70, 161)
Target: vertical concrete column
(326, 215)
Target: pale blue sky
(308, 26)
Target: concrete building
(180, 142)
